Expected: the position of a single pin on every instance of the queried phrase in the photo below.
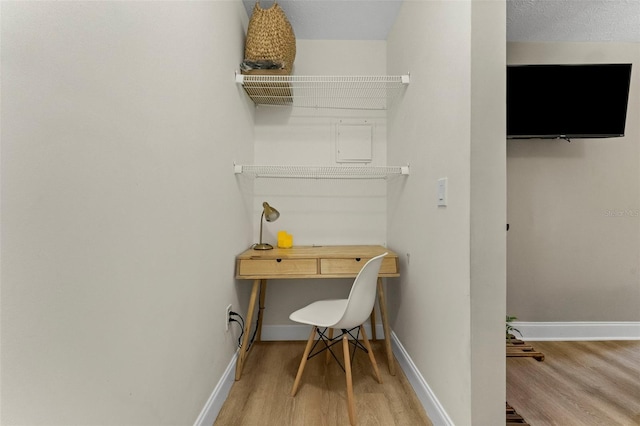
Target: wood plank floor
(578, 383)
(262, 396)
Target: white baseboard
(432, 406)
(213, 406)
(578, 330)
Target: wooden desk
(304, 262)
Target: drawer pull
(358, 259)
(278, 260)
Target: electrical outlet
(227, 317)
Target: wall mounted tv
(567, 101)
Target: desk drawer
(278, 267)
(354, 265)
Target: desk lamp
(271, 215)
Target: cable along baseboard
(339, 92)
(321, 172)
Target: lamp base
(262, 247)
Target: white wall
(322, 211)
(431, 130)
(437, 128)
(488, 211)
(574, 241)
(121, 215)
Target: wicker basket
(270, 36)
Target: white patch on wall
(354, 141)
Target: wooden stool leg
(372, 358)
(347, 369)
(328, 355)
(303, 362)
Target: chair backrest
(362, 296)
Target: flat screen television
(567, 101)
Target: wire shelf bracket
(340, 92)
(321, 172)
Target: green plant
(510, 328)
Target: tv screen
(567, 101)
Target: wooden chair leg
(347, 369)
(328, 355)
(303, 362)
(372, 358)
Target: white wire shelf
(343, 92)
(322, 172)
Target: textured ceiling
(527, 20)
(573, 20)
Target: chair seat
(323, 313)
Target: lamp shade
(270, 214)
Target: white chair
(345, 315)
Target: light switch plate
(442, 191)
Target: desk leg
(263, 292)
(244, 350)
(373, 324)
(385, 325)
